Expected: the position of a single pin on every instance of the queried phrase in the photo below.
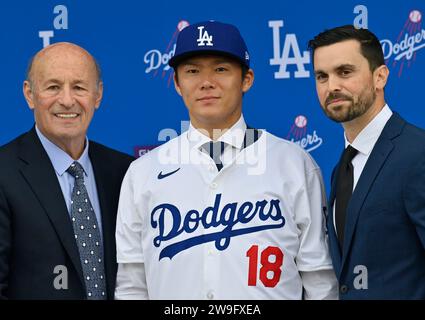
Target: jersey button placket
(211, 265)
(210, 275)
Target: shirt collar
(366, 139)
(233, 136)
(59, 158)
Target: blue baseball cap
(210, 37)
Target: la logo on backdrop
(410, 40)
(298, 134)
(157, 61)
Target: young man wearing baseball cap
(223, 211)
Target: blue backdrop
(133, 41)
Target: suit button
(343, 289)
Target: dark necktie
(87, 236)
(344, 190)
(215, 149)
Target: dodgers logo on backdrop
(283, 57)
(410, 40)
(204, 36)
(230, 219)
(156, 60)
(298, 134)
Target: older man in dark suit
(58, 190)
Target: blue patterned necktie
(87, 236)
(215, 150)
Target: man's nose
(66, 97)
(207, 81)
(334, 84)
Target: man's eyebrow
(339, 67)
(56, 80)
(219, 60)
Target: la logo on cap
(204, 36)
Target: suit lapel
(40, 175)
(377, 158)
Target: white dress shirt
(233, 139)
(364, 143)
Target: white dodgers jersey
(243, 232)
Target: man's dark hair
(370, 47)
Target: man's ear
(380, 77)
(248, 80)
(99, 95)
(176, 84)
(28, 94)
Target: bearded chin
(354, 110)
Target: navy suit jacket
(36, 233)
(385, 222)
